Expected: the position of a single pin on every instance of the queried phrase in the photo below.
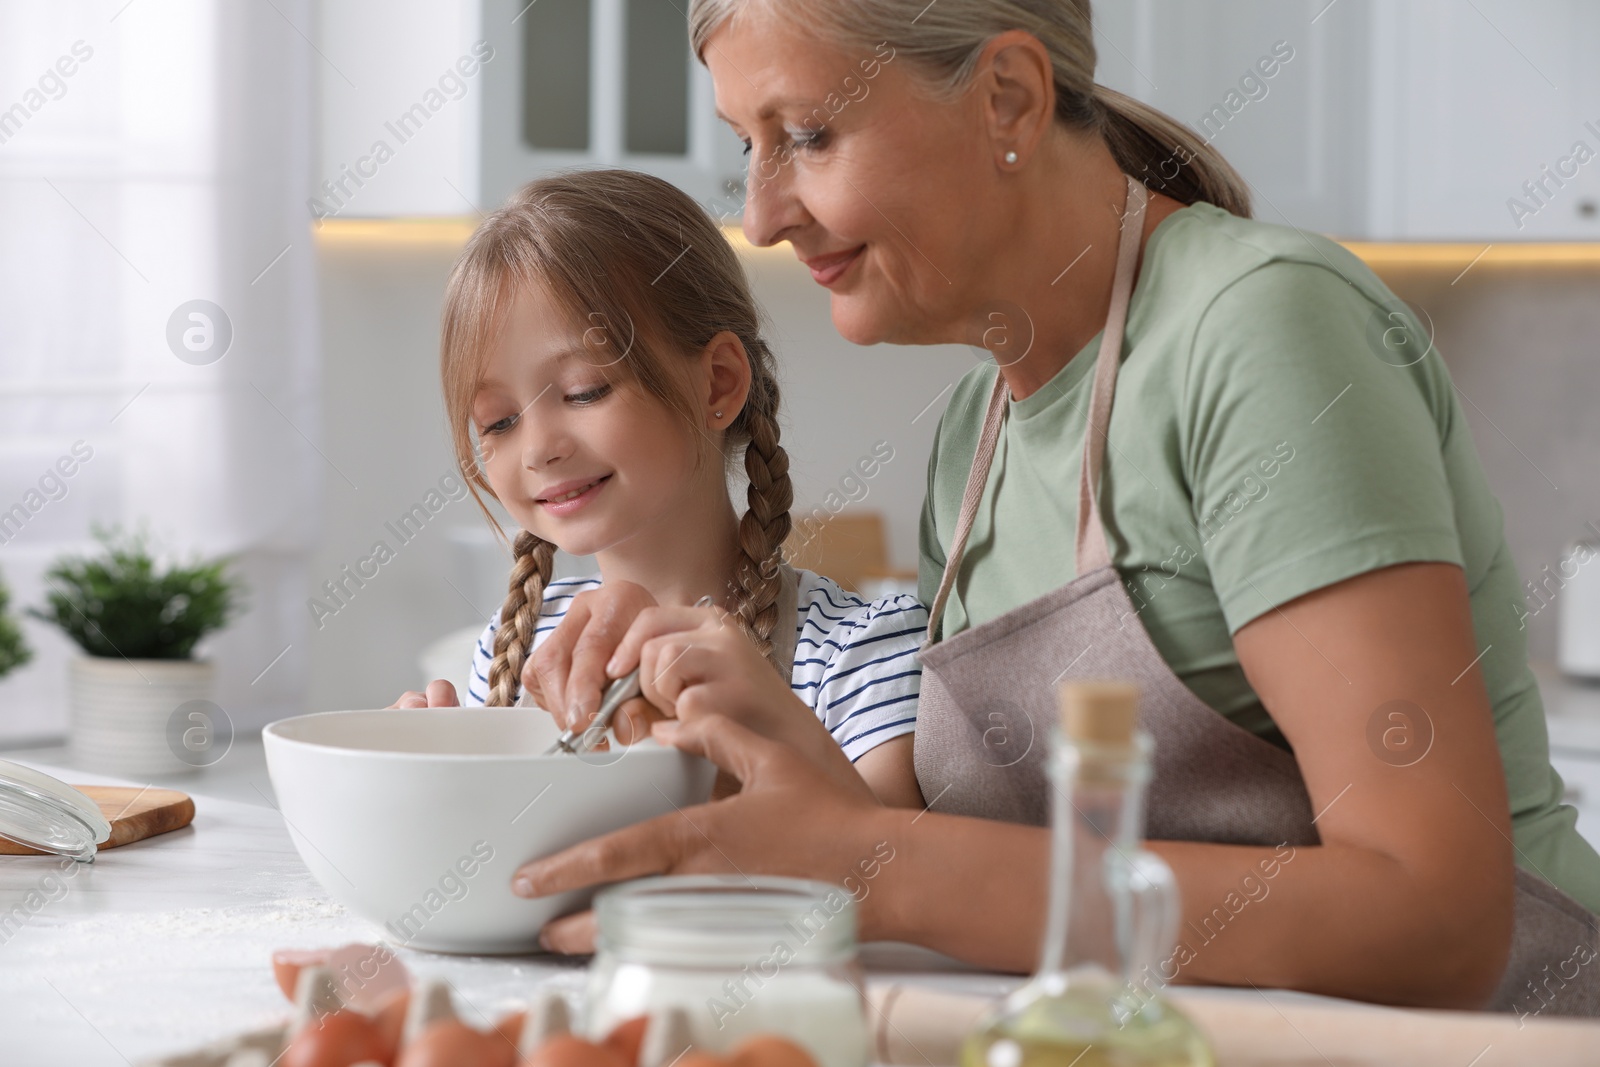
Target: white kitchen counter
(165, 944)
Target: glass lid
(48, 814)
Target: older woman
(1204, 458)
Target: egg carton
(548, 1015)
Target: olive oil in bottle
(1113, 912)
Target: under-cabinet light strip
(1380, 255)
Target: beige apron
(988, 706)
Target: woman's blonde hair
(941, 42)
(647, 270)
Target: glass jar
(739, 956)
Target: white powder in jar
(819, 1011)
(760, 955)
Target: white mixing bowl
(417, 818)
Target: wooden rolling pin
(917, 1026)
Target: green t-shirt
(1281, 424)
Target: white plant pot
(122, 710)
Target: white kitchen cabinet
(1572, 717)
(401, 85)
(1455, 120)
(1296, 132)
(602, 83)
(446, 107)
(1580, 771)
(1413, 120)
(1495, 105)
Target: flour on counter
(280, 916)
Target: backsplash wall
(1522, 343)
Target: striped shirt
(855, 661)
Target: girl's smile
(567, 497)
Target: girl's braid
(518, 617)
(766, 523)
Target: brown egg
(700, 1059)
(287, 964)
(510, 1026)
(626, 1037)
(451, 1043)
(569, 1051)
(767, 1050)
(337, 1039)
(390, 1020)
(367, 975)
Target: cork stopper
(1099, 712)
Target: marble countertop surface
(163, 945)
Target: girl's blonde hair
(941, 43)
(647, 271)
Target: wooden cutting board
(134, 813)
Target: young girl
(602, 354)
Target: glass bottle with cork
(1113, 911)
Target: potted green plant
(138, 621)
(13, 652)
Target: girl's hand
(438, 694)
(566, 675)
(695, 662)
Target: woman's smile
(830, 268)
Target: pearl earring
(717, 414)
(1011, 157)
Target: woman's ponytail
(1166, 155)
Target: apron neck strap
(1091, 551)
